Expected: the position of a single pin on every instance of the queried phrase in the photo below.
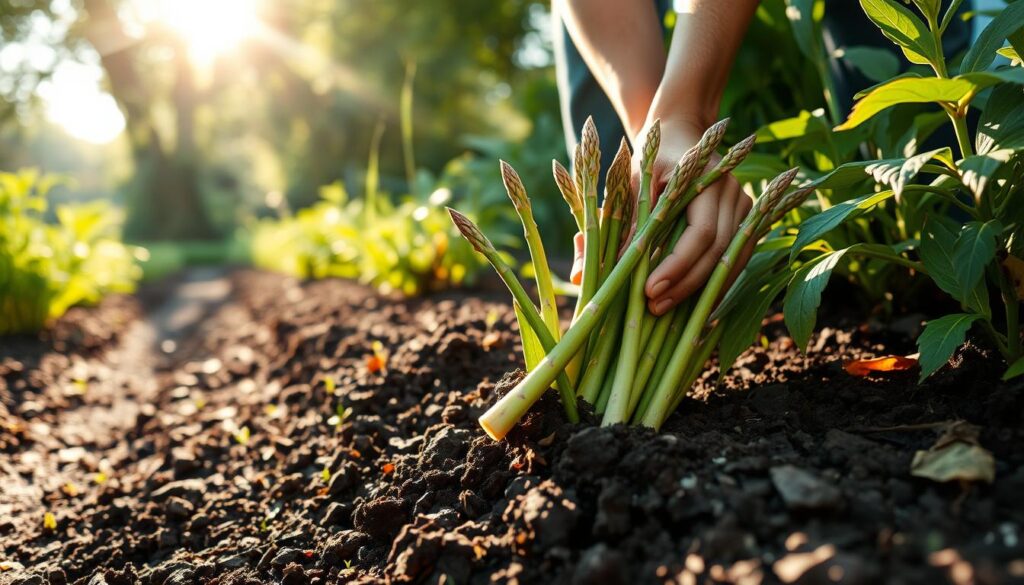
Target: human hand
(713, 218)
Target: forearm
(707, 36)
(621, 42)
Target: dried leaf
(70, 489)
(1015, 268)
(375, 363)
(955, 456)
(889, 363)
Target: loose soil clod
(730, 491)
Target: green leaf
(977, 170)
(815, 227)
(974, 249)
(902, 27)
(930, 8)
(744, 321)
(910, 167)
(906, 75)
(1015, 369)
(802, 125)
(983, 51)
(1001, 125)
(801, 18)
(876, 64)
(937, 245)
(533, 351)
(1010, 53)
(800, 308)
(940, 338)
(909, 90)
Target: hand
(576, 275)
(712, 217)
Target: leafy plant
(953, 216)
(406, 247)
(631, 365)
(45, 268)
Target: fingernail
(662, 306)
(659, 288)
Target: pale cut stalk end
(472, 233)
(514, 186)
(652, 143)
(495, 433)
(566, 186)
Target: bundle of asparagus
(630, 365)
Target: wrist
(684, 113)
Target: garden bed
(230, 469)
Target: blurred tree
(295, 108)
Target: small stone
(178, 508)
(802, 490)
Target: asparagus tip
(514, 186)
(469, 231)
(652, 143)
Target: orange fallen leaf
(889, 363)
(388, 468)
(375, 363)
(354, 453)
(1015, 268)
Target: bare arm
(621, 42)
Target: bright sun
(210, 28)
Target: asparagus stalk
(672, 337)
(542, 273)
(500, 418)
(600, 358)
(587, 166)
(618, 401)
(617, 190)
(480, 242)
(688, 346)
(697, 365)
(568, 190)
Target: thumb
(576, 276)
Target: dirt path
(264, 448)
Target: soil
(262, 444)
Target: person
(612, 64)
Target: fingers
(687, 269)
(702, 220)
(576, 275)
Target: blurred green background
(203, 119)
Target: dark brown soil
(229, 469)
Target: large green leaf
(897, 174)
(801, 17)
(983, 51)
(909, 90)
(744, 321)
(801, 125)
(930, 8)
(937, 245)
(972, 252)
(978, 169)
(876, 64)
(902, 27)
(814, 227)
(940, 338)
(1015, 369)
(1001, 125)
(800, 307)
